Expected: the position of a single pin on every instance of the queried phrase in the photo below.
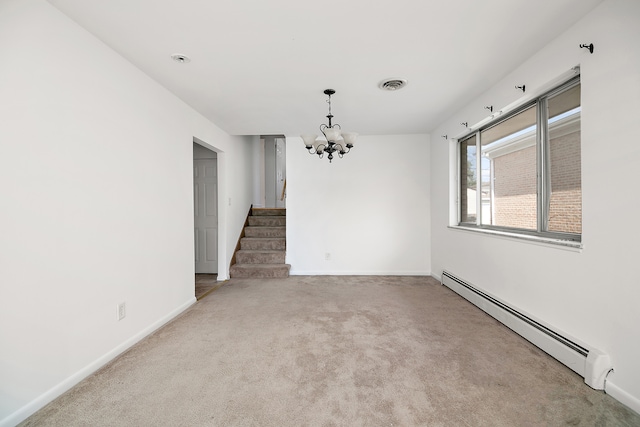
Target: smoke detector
(392, 84)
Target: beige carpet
(334, 351)
(205, 284)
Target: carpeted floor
(205, 284)
(334, 351)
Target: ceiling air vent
(392, 84)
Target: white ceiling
(260, 67)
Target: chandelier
(335, 140)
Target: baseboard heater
(590, 363)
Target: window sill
(544, 241)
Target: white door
(205, 186)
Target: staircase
(262, 249)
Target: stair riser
(267, 221)
(238, 271)
(265, 232)
(267, 258)
(258, 244)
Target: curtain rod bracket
(587, 46)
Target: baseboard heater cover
(588, 362)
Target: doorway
(205, 210)
(275, 171)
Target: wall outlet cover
(122, 310)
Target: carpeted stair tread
(263, 243)
(268, 221)
(260, 257)
(269, 212)
(259, 270)
(259, 251)
(265, 231)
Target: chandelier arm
(322, 128)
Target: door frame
(223, 269)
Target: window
(521, 174)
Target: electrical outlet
(327, 256)
(122, 310)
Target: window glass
(468, 180)
(509, 184)
(526, 177)
(565, 200)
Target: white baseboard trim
(622, 396)
(38, 403)
(358, 273)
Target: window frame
(543, 173)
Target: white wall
(258, 180)
(269, 172)
(97, 204)
(592, 294)
(369, 210)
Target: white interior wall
(97, 204)
(590, 294)
(369, 210)
(269, 172)
(258, 167)
(281, 172)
